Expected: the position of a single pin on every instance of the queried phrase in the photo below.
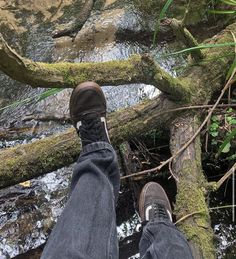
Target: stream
(29, 210)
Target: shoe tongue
(90, 116)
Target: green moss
(190, 199)
(179, 90)
(46, 156)
(114, 72)
(123, 148)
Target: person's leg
(160, 238)
(87, 226)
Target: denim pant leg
(162, 240)
(87, 226)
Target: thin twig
(196, 107)
(172, 173)
(207, 134)
(226, 176)
(229, 91)
(188, 216)
(202, 211)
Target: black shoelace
(92, 130)
(159, 211)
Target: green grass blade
(16, 103)
(205, 46)
(229, 2)
(38, 97)
(48, 93)
(161, 16)
(222, 11)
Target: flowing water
(29, 210)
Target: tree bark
(191, 187)
(25, 162)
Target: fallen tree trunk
(191, 187)
(25, 162)
(136, 69)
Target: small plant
(214, 128)
(223, 132)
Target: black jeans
(87, 226)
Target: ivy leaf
(226, 148)
(214, 126)
(230, 110)
(215, 118)
(232, 122)
(214, 133)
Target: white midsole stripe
(79, 124)
(103, 119)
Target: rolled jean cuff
(95, 147)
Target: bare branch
(185, 36)
(226, 176)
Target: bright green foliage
(225, 146)
(214, 127)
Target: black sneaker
(88, 113)
(154, 203)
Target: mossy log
(25, 162)
(191, 187)
(184, 36)
(208, 76)
(136, 69)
